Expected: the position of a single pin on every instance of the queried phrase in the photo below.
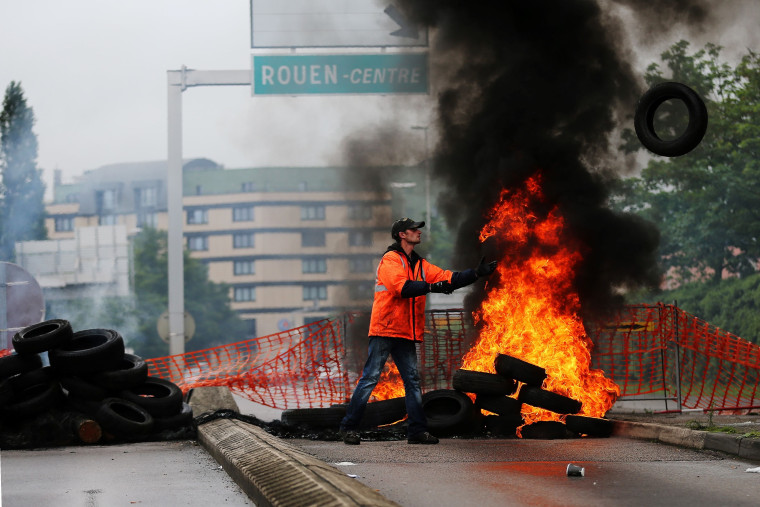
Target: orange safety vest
(392, 315)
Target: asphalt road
(513, 472)
(157, 474)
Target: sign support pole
(178, 81)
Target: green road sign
(340, 74)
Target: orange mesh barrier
(650, 351)
(661, 349)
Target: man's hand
(485, 268)
(441, 287)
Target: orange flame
(390, 384)
(532, 312)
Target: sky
(95, 73)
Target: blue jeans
(404, 354)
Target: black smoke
(542, 85)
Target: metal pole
(428, 213)
(178, 81)
(678, 354)
(174, 203)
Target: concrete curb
(273, 472)
(748, 448)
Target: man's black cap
(404, 224)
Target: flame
(390, 384)
(532, 310)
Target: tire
(548, 400)
(183, 418)
(16, 364)
(329, 417)
(123, 418)
(589, 426)
(34, 400)
(131, 372)
(42, 337)
(159, 397)
(25, 380)
(511, 367)
(83, 389)
(479, 382)
(502, 426)
(498, 404)
(89, 351)
(645, 112)
(383, 412)
(544, 430)
(6, 392)
(449, 412)
(86, 407)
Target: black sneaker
(422, 438)
(350, 437)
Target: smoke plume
(542, 86)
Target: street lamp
(427, 178)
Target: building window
(361, 290)
(314, 292)
(360, 212)
(106, 200)
(360, 238)
(313, 212)
(315, 265)
(147, 219)
(198, 190)
(244, 268)
(248, 186)
(243, 240)
(146, 197)
(107, 220)
(64, 224)
(245, 293)
(313, 238)
(360, 265)
(197, 243)
(72, 198)
(242, 213)
(251, 327)
(197, 216)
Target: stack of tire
(89, 375)
(494, 394)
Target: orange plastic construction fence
(648, 350)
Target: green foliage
(705, 203)
(22, 211)
(207, 302)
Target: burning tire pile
(92, 391)
(452, 412)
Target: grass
(696, 425)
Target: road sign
(331, 23)
(162, 326)
(340, 74)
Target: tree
(208, 302)
(706, 203)
(22, 211)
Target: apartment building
(294, 244)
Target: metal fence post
(678, 354)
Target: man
(398, 321)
